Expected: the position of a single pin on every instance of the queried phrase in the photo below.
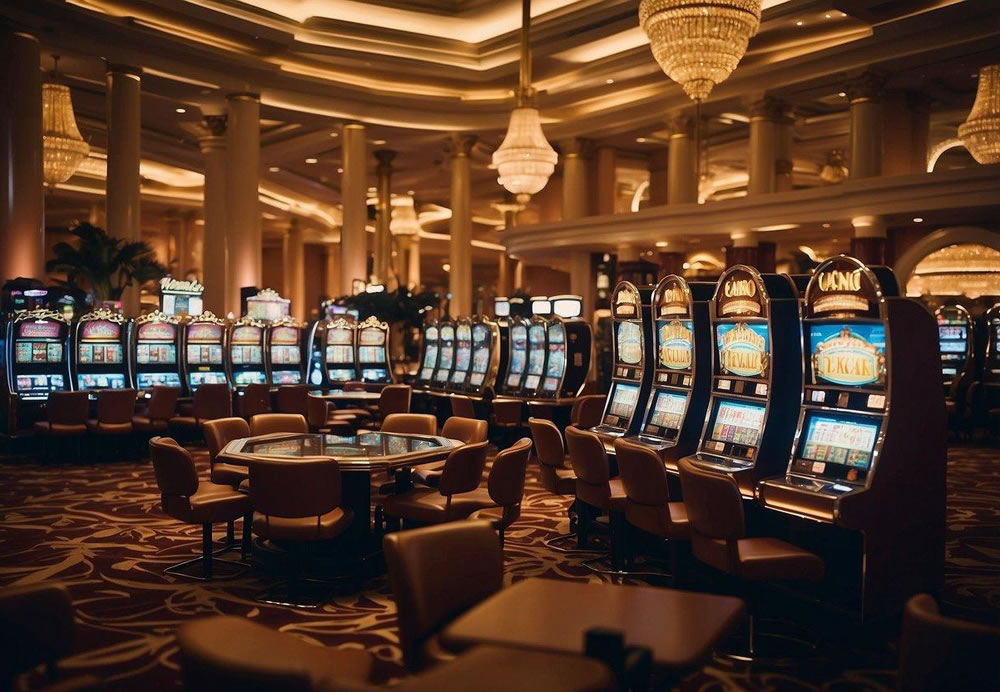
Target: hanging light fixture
(980, 133)
(525, 159)
(63, 149)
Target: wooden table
(350, 397)
(680, 627)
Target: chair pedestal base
(768, 646)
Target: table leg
(356, 495)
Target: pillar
(243, 235)
(627, 253)
(124, 93)
(192, 232)
(215, 254)
(354, 193)
(742, 249)
(864, 95)
(504, 274)
(905, 129)
(460, 251)
(575, 193)
(294, 269)
(413, 263)
(607, 180)
(582, 281)
(332, 288)
(383, 234)
(658, 184)
(22, 231)
(783, 147)
(176, 243)
(869, 241)
(769, 123)
(682, 161)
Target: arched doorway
(958, 260)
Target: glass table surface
(369, 449)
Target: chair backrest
(463, 469)
(410, 423)
(36, 626)
(173, 467)
(438, 573)
(292, 398)
(354, 386)
(256, 399)
(317, 411)
(943, 653)
(267, 423)
(468, 430)
(586, 453)
(643, 474)
(294, 489)
(506, 481)
(162, 402)
(395, 398)
(548, 442)
(713, 501)
(507, 411)
(589, 411)
(115, 405)
(462, 406)
(221, 431)
(68, 408)
(212, 400)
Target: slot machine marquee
(537, 353)
(632, 354)
(446, 355)
(428, 354)
(517, 357)
(756, 378)
(100, 341)
(372, 336)
(955, 339)
(37, 357)
(180, 298)
(682, 357)
(285, 364)
(463, 355)
(204, 346)
(246, 352)
(155, 346)
(485, 356)
(338, 351)
(869, 451)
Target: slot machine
(991, 368)
(373, 351)
(682, 368)
(100, 340)
(517, 357)
(569, 340)
(338, 351)
(37, 358)
(154, 346)
(204, 344)
(463, 355)
(312, 347)
(869, 451)
(485, 356)
(632, 349)
(955, 338)
(501, 319)
(446, 355)
(428, 355)
(246, 353)
(284, 339)
(756, 379)
(180, 298)
(538, 349)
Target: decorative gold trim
(372, 321)
(157, 316)
(287, 321)
(103, 314)
(341, 322)
(208, 316)
(269, 294)
(40, 314)
(246, 321)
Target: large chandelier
(525, 159)
(63, 149)
(699, 43)
(980, 133)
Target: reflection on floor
(98, 529)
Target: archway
(939, 239)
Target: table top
(364, 452)
(341, 395)
(680, 627)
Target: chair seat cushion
(429, 474)
(495, 515)
(96, 426)
(329, 525)
(357, 412)
(59, 429)
(147, 424)
(668, 521)
(768, 558)
(245, 486)
(229, 474)
(211, 503)
(183, 422)
(429, 506)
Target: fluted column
(22, 231)
(124, 118)
(215, 254)
(766, 116)
(354, 192)
(866, 126)
(293, 253)
(460, 253)
(383, 234)
(243, 235)
(682, 161)
(575, 193)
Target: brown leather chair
(210, 401)
(596, 491)
(255, 399)
(437, 573)
(191, 501)
(944, 653)
(161, 407)
(468, 430)
(505, 487)
(394, 398)
(462, 406)
(65, 416)
(322, 419)
(355, 386)
(219, 433)
(295, 502)
(554, 472)
(292, 398)
(410, 424)
(258, 658)
(267, 423)
(587, 411)
(115, 408)
(507, 416)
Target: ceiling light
(63, 149)
(641, 140)
(340, 170)
(918, 219)
(274, 169)
(378, 142)
(826, 225)
(980, 133)
(312, 160)
(842, 94)
(372, 189)
(798, 23)
(828, 15)
(686, 265)
(446, 267)
(609, 81)
(180, 110)
(662, 243)
(335, 134)
(411, 192)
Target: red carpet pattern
(98, 529)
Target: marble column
(22, 230)
(518, 275)
(176, 243)
(504, 275)
(243, 234)
(193, 264)
(869, 241)
(766, 116)
(124, 121)
(864, 94)
(607, 180)
(413, 263)
(383, 233)
(742, 249)
(682, 161)
(293, 253)
(575, 192)
(215, 253)
(354, 195)
(460, 247)
(905, 131)
(332, 288)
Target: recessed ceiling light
(798, 23)
(312, 160)
(274, 169)
(641, 140)
(841, 94)
(609, 81)
(378, 142)
(334, 134)
(828, 15)
(371, 189)
(918, 219)
(446, 267)
(826, 225)
(662, 243)
(180, 110)
(411, 192)
(340, 170)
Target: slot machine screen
(37, 352)
(148, 380)
(245, 377)
(371, 374)
(623, 398)
(675, 344)
(339, 354)
(736, 423)
(743, 348)
(247, 355)
(159, 354)
(667, 413)
(837, 446)
(371, 354)
(341, 374)
(199, 378)
(849, 355)
(284, 354)
(628, 343)
(101, 381)
(447, 354)
(286, 376)
(531, 381)
(40, 384)
(430, 360)
(371, 337)
(518, 347)
(99, 353)
(204, 354)
(556, 364)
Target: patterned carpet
(98, 529)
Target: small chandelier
(699, 43)
(525, 159)
(980, 133)
(63, 149)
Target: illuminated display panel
(675, 344)
(737, 423)
(339, 354)
(283, 354)
(372, 374)
(38, 329)
(743, 348)
(40, 384)
(837, 446)
(849, 355)
(204, 354)
(148, 380)
(668, 410)
(210, 377)
(371, 336)
(245, 377)
(246, 355)
(518, 353)
(99, 353)
(480, 354)
(556, 364)
(463, 353)
(100, 381)
(156, 354)
(536, 352)
(371, 354)
(100, 330)
(628, 343)
(38, 352)
(623, 400)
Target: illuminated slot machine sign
(569, 340)
(517, 359)
(869, 447)
(204, 342)
(463, 355)
(36, 357)
(99, 343)
(155, 346)
(537, 351)
(429, 357)
(246, 352)
(284, 350)
(555, 363)
(180, 297)
(338, 351)
(485, 338)
(954, 339)
(373, 350)
(267, 306)
(446, 354)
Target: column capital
(461, 144)
(681, 124)
(243, 96)
(123, 69)
(869, 226)
(771, 109)
(215, 124)
(576, 147)
(865, 87)
(385, 158)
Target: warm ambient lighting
(918, 219)
(180, 110)
(274, 169)
(980, 133)
(698, 45)
(312, 160)
(63, 149)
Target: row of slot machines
(965, 350)
(824, 407)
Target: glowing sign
(743, 349)
(675, 345)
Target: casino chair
(468, 430)
(554, 474)
(410, 424)
(115, 408)
(268, 423)
(506, 417)
(505, 487)
(322, 419)
(65, 417)
(210, 401)
(292, 398)
(185, 498)
(256, 399)
(587, 411)
(394, 398)
(218, 433)
(462, 406)
(161, 407)
(718, 539)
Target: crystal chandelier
(63, 149)
(525, 159)
(980, 133)
(698, 43)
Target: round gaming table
(340, 396)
